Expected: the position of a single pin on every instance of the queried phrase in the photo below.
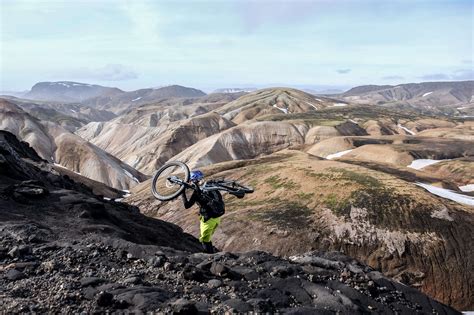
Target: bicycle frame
(205, 187)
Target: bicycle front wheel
(162, 187)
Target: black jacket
(205, 211)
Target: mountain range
(453, 98)
(430, 97)
(383, 174)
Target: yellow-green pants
(208, 228)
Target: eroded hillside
(303, 203)
(57, 145)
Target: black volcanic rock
(14, 274)
(93, 279)
(351, 129)
(70, 210)
(12, 155)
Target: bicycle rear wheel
(162, 188)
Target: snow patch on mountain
(406, 129)
(448, 194)
(421, 163)
(467, 188)
(338, 154)
(282, 109)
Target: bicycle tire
(161, 193)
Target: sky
(219, 44)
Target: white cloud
(464, 74)
(27, 6)
(435, 76)
(145, 19)
(458, 75)
(343, 71)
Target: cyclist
(211, 209)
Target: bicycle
(173, 177)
